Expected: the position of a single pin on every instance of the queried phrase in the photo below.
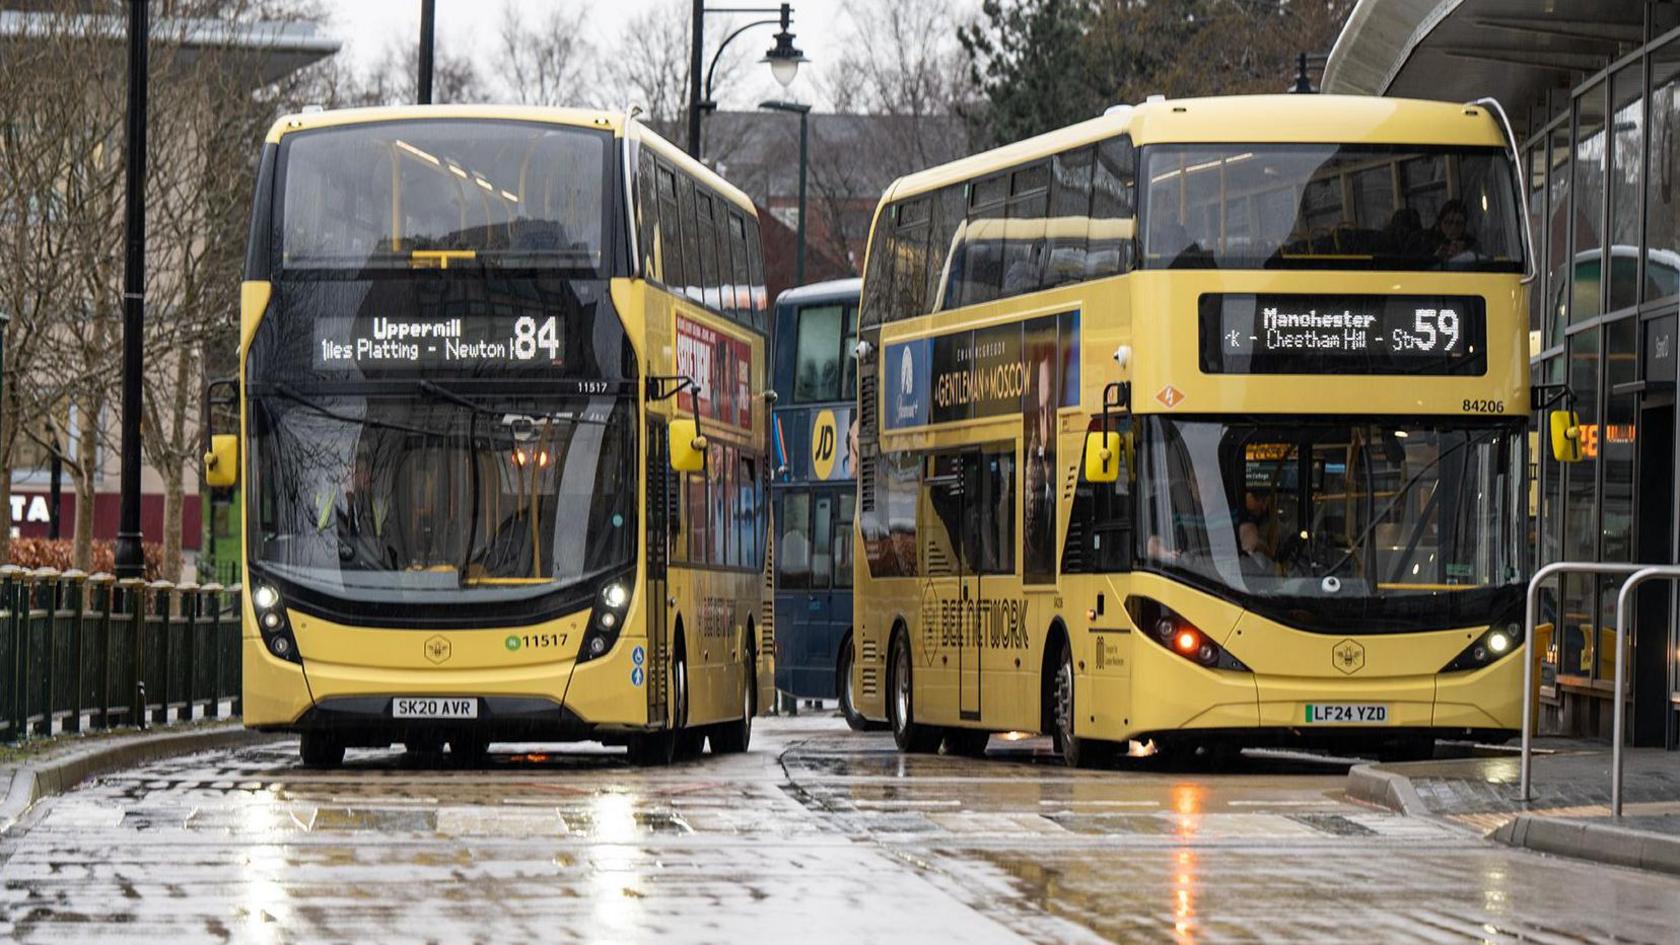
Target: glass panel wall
(1626, 153)
(1580, 543)
(1587, 222)
(1662, 233)
(1557, 234)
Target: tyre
(1077, 752)
(656, 749)
(843, 685)
(320, 750)
(910, 736)
(469, 751)
(731, 738)
(651, 749)
(967, 742)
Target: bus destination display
(1244, 333)
(407, 343)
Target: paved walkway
(818, 835)
(1570, 811)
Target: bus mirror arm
(221, 450)
(1542, 397)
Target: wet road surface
(817, 835)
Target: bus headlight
(272, 623)
(615, 595)
(265, 597)
(605, 621)
(1180, 636)
(1495, 642)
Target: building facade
(1592, 88)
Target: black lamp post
(783, 58)
(428, 21)
(804, 113)
(130, 560)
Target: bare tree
(549, 62)
(60, 230)
(901, 58)
(651, 70)
(395, 79)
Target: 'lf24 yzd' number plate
(433, 708)
(1346, 713)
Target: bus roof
(834, 288)
(1238, 119)
(579, 117)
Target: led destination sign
(399, 343)
(1344, 334)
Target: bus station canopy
(264, 51)
(1513, 50)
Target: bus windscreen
(444, 194)
(1330, 206)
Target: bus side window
(843, 540)
(1070, 209)
(793, 546)
(1113, 195)
(647, 210)
(670, 253)
(950, 210)
(1099, 533)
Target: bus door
(661, 497)
(951, 601)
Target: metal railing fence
(81, 652)
(1633, 576)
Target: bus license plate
(405, 708)
(1347, 713)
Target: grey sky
(368, 27)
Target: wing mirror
(687, 446)
(1104, 452)
(1566, 436)
(221, 462)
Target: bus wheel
(1076, 751)
(907, 734)
(843, 685)
(656, 749)
(730, 738)
(469, 751)
(688, 743)
(651, 749)
(966, 742)
(320, 750)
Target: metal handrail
(1669, 572)
(1528, 707)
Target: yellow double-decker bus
(1201, 423)
(502, 436)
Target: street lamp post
(804, 113)
(783, 58)
(428, 22)
(130, 560)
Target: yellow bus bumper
(347, 671)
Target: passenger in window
(1254, 559)
(1452, 235)
(1155, 548)
(1404, 233)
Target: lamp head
(784, 58)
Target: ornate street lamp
(783, 58)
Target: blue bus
(813, 490)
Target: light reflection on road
(818, 835)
